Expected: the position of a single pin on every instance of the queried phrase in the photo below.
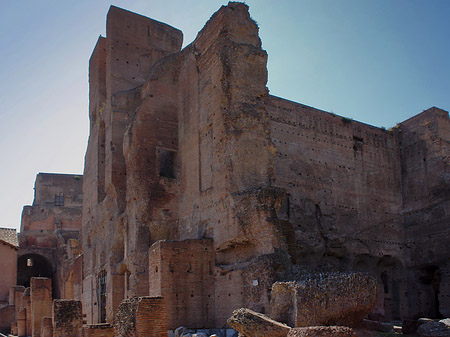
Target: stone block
(324, 299)
(253, 324)
(322, 331)
(41, 303)
(435, 329)
(67, 318)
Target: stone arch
(32, 265)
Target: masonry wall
(187, 146)
(425, 152)
(47, 226)
(41, 303)
(182, 273)
(343, 183)
(343, 196)
(118, 66)
(224, 151)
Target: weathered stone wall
(424, 149)
(225, 151)
(324, 299)
(41, 302)
(188, 145)
(182, 272)
(46, 228)
(343, 185)
(67, 318)
(119, 64)
(343, 203)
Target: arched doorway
(32, 265)
(391, 276)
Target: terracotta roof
(9, 235)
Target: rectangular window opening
(166, 163)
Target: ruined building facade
(201, 188)
(49, 238)
(187, 146)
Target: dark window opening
(166, 163)
(384, 279)
(59, 200)
(102, 297)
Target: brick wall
(182, 272)
(151, 317)
(141, 317)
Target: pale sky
(376, 61)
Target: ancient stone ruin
(201, 190)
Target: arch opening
(32, 265)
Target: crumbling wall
(343, 185)
(188, 145)
(67, 318)
(343, 201)
(182, 272)
(424, 149)
(119, 64)
(46, 228)
(225, 151)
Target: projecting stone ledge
(253, 324)
(324, 299)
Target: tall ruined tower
(203, 189)
(118, 66)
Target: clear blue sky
(376, 61)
